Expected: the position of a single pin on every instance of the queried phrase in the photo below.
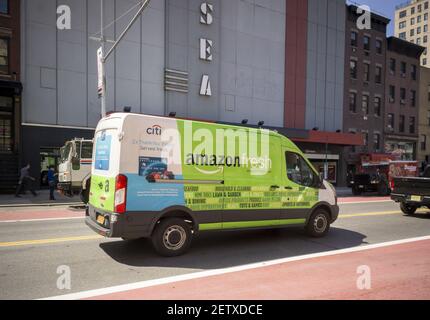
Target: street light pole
(102, 57)
(102, 63)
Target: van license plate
(101, 219)
(416, 198)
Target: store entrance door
(6, 124)
(48, 157)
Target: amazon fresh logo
(154, 130)
(212, 164)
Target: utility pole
(102, 57)
(102, 71)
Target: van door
(252, 189)
(300, 191)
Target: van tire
(171, 237)
(319, 224)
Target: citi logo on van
(154, 130)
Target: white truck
(74, 170)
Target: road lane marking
(215, 272)
(96, 237)
(364, 202)
(46, 241)
(380, 213)
(42, 219)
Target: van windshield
(65, 152)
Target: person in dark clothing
(51, 182)
(25, 181)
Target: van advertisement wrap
(172, 162)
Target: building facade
(423, 149)
(412, 24)
(402, 98)
(277, 61)
(364, 97)
(10, 92)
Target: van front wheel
(172, 237)
(318, 224)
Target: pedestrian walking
(25, 182)
(51, 182)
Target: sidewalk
(42, 198)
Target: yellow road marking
(368, 214)
(45, 241)
(96, 237)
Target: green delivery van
(168, 179)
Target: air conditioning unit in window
(402, 101)
(403, 75)
(391, 100)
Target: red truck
(376, 172)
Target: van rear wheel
(172, 237)
(318, 224)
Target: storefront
(10, 106)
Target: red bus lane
(399, 271)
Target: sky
(384, 7)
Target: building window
(412, 21)
(392, 66)
(353, 69)
(366, 43)
(366, 72)
(365, 104)
(423, 142)
(392, 94)
(414, 72)
(426, 28)
(424, 61)
(419, 30)
(412, 32)
(4, 6)
(418, 41)
(413, 10)
(428, 118)
(402, 35)
(401, 123)
(425, 39)
(4, 56)
(353, 102)
(377, 106)
(426, 16)
(365, 137)
(378, 46)
(418, 19)
(378, 74)
(411, 125)
(402, 96)
(402, 14)
(390, 122)
(376, 141)
(413, 98)
(354, 36)
(403, 68)
(426, 5)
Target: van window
(298, 171)
(87, 150)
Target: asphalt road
(28, 269)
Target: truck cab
(75, 166)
